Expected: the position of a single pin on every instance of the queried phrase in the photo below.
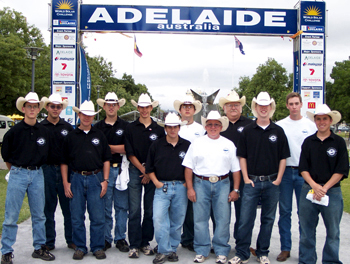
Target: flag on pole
(239, 45)
(136, 49)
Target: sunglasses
(54, 106)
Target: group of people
(168, 182)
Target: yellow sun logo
(64, 4)
(312, 11)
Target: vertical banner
(84, 79)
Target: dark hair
(293, 94)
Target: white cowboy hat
(55, 99)
(323, 109)
(87, 108)
(31, 97)
(188, 100)
(110, 98)
(173, 119)
(230, 98)
(215, 115)
(144, 100)
(263, 98)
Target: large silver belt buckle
(213, 179)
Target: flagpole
(133, 62)
(233, 63)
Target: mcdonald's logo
(311, 105)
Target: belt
(114, 165)
(262, 178)
(293, 167)
(87, 173)
(212, 179)
(29, 167)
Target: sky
(173, 63)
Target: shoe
(199, 259)
(237, 260)
(160, 258)
(221, 259)
(107, 245)
(188, 246)
(7, 258)
(283, 256)
(100, 254)
(264, 260)
(252, 250)
(173, 257)
(78, 254)
(43, 254)
(155, 249)
(122, 245)
(72, 246)
(133, 253)
(212, 251)
(49, 248)
(147, 250)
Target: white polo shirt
(191, 132)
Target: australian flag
(239, 45)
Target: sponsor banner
(211, 20)
(64, 13)
(85, 78)
(312, 14)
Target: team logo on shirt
(305, 132)
(153, 137)
(331, 152)
(196, 134)
(41, 141)
(64, 132)
(119, 132)
(182, 154)
(273, 138)
(95, 141)
(240, 129)
(225, 149)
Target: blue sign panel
(312, 16)
(64, 12)
(208, 20)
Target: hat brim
(224, 122)
(21, 101)
(85, 112)
(224, 100)
(197, 105)
(176, 124)
(47, 101)
(153, 104)
(101, 102)
(335, 115)
(272, 103)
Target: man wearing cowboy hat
(262, 150)
(59, 129)
(164, 166)
(25, 149)
(210, 158)
(113, 127)
(324, 162)
(87, 153)
(139, 135)
(187, 108)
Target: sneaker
(199, 259)
(43, 254)
(221, 259)
(237, 260)
(107, 245)
(122, 245)
(78, 254)
(99, 254)
(263, 260)
(147, 250)
(72, 246)
(160, 258)
(172, 257)
(133, 253)
(7, 258)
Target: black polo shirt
(115, 135)
(324, 158)
(24, 145)
(86, 152)
(138, 138)
(263, 148)
(57, 134)
(234, 131)
(165, 160)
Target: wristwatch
(107, 180)
(236, 190)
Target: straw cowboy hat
(110, 98)
(87, 108)
(263, 98)
(173, 119)
(323, 109)
(188, 100)
(232, 97)
(144, 101)
(215, 115)
(31, 97)
(55, 99)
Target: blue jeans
(20, 182)
(290, 181)
(140, 233)
(169, 210)
(86, 194)
(54, 192)
(211, 195)
(118, 199)
(308, 216)
(269, 197)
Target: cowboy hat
(110, 98)
(188, 100)
(87, 108)
(215, 115)
(323, 109)
(230, 98)
(55, 99)
(31, 97)
(144, 101)
(263, 98)
(172, 119)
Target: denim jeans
(54, 192)
(140, 233)
(118, 200)
(269, 197)
(169, 210)
(308, 216)
(238, 203)
(86, 194)
(290, 181)
(211, 195)
(22, 181)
